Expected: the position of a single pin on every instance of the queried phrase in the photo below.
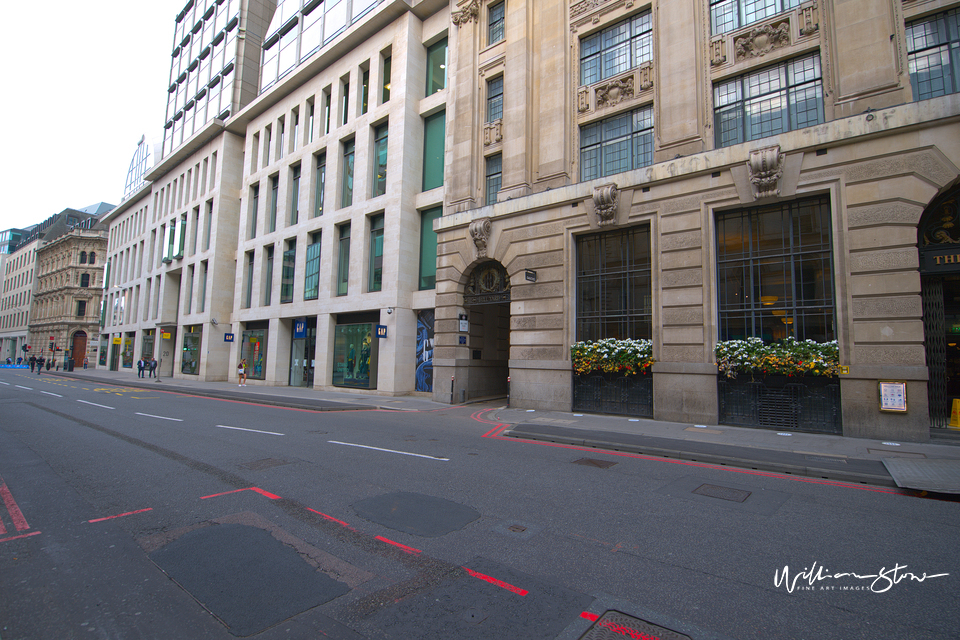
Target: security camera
(389, 310)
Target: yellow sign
(955, 415)
(116, 340)
(165, 336)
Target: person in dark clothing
(141, 363)
(40, 362)
(33, 363)
(153, 367)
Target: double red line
(16, 516)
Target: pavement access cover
(245, 577)
(942, 476)
(416, 513)
(614, 625)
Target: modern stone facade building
(292, 229)
(65, 311)
(18, 279)
(691, 172)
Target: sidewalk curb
(284, 401)
(880, 478)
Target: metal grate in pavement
(724, 493)
(942, 476)
(591, 462)
(614, 625)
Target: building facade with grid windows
(697, 173)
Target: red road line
(120, 515)
(499, 583)
(272, 496)
(402, 547)
(15, 514)
(217, 495)
(331, 518)
(592, 617)
(26, 535)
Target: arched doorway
(938, 242)
(78, 348)
(485, 330)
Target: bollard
(508, 392)
(451, 389)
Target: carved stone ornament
(468, 13)
(941, 225)
(810, 19)
(488, 284)
(584, 7)
(646, 76)
(583, 99)
(492, 132)
(717, 56)
(762, 40)
(615, 92)
(606, 202)
(480, 232)
(765, 167)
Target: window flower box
(613, 376)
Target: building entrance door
(79, 349)
(303, 352)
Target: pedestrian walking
(141, 363)
(40, 362)
(85, 361)
(19, 360)
(242, 372)
(33, 363)
(153, 367)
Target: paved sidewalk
(932, 466)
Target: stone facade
(69, 288)
(877, 153)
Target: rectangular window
(295, 138)
(933, 53)
(385, 81)
(617, 144)
(380, 161)
(764, 103)
(616, 49)
(321, 183)
(437, 67)
(253, 348)
(274, 196)
(364, 90)
(344, 102)
(494, 178)
(775, 272)
(268, 276)
(188, 292)
(495, 23)
(202, 301)
(248, 276)
(434, 137)
(254, 205)
(181, 235)
(375, 282)
(343, 266)
(495, 99)
(295, 195)
(614, 286)
(208, 223)
(81, 308)
(428, 248)
(287, 269)
(281, 139)
(727, 15)
(326, 110)
(311, 281)
(310, 119)
(171, 240)
(346, 190)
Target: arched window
(83, 257)
(93, 258)
(85, 280)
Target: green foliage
(789, 357)
(628, 356)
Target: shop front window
(355, 354)
(253, 349)
(190, 363)
(126, 353)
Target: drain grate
(591, 462)
(614, 625)
(266, 463)
(517, 528)
(724, 493)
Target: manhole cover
(614, 625)
(724, 493)
(590, 462)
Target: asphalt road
(129, 513)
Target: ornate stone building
(69, 288)
(697, 172)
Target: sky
(84, 81)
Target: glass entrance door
(302, 354)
